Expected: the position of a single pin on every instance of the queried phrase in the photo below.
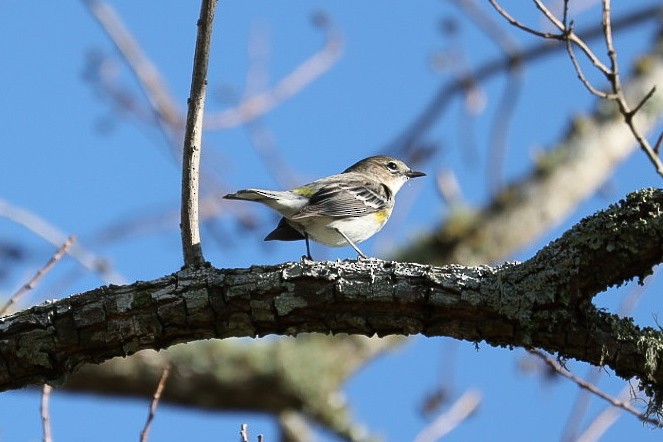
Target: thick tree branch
(565, 175)
(543, 302)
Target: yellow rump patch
(303, 191)
(382, 216)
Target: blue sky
(71, 159)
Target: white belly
(357, 229)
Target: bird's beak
(414, 174)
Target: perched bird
(338, 210)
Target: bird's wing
(352, 198)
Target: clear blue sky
(71, 159)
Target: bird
(338, 210)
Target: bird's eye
(392, 166)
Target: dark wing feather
(354, 198)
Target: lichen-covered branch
(544, 302)
(564, 176)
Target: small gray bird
(338, 210)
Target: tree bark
(544, 302)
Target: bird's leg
(308, 248)
(354, 246)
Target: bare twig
(617, 89)
(421, 124)
(568, 30)
(45, 414)
(261, 103)
(612, 54)
(152, 83)
(522, 26)
(54, 236)
(611, 73)
(642, 102)
(581, 75)
(155, 403)
(603, 421)
(580, 406)
(657, 146)
(191, 247)
(447, 422)
(40, 274)
(592, 388)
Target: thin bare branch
(644, 100)
(615, 80)
(191, 246)
(422, 123)
(522, 26)
(611, 73)
(604, 420)
(566, 33)
(45, 413)
(612, 54)
(593, 389)
(54, 236)
(155, 402)
(550, 16)
(657, 146)
(261, 103)
(580, 73)
(153, 85)
(456, 415)
(32, 283)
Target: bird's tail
(254, 195)
(284, 202)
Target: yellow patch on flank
(382, 216)
(303, 191)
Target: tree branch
(223, 374)
(543, 302)
(565, 175)
(192, 249)
(418, 128)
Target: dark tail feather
(284, 232)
